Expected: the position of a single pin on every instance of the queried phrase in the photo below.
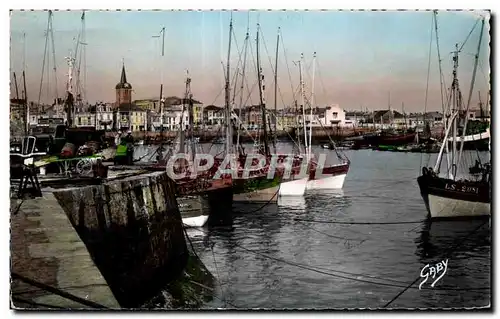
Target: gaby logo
(429, 272)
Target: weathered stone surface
(46, 248)
(133, 230)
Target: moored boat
(194, 210)
(448, 196)
(445, 197)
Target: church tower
(123, 90)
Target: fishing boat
(321, 176)
(295, 182)
(197, 190)
(254, 185)
(449, 196)
(389, 138)
(250, 185)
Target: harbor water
(353, 248)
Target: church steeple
(124, 75)
(123, 84)
(123, 90)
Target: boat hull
(194, 210)
(197, 221)
(444, 207)
(333, 177)
(446, 198)
(266, 195)
(257, 189)
(395, 140)
(296, 187)
(329, 182)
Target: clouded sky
(362, 57)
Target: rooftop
(129, 107)
(174, 100)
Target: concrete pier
(133, 230)
(46, 248)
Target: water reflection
(292, 203)
(329, 193)
(466, 246)
(454, 237)
(319, 199)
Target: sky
(364, 59)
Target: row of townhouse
(146, 115)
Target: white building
(213, 115)
(104, 114)
(328, 116)
(173, 116)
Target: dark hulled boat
(389, 138)
(452, 197)
(448, 198)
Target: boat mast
(391, 126)
(69, 89)
(481, 110)
(302, 100)
(15, 83)
(309, 152)
(189, 96)
(297, 123)
(476, 58)
(227, 97)
(445, 100)
(26, 106)
(247, 36)
(51, 30)
(84, 40)
(161, 102)
(261, 95)
(44, 57)
(276, 90)
(456, 101)
(186, 98)
(23, 92)
(404, 115)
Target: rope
(37, 304)
(15, 211)
(320, 271)
(427, 88)
(57, 291)
(323, 270)
(201, 285)
(357, 223)
(468, 35)
(218, 275)
(451, 250)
